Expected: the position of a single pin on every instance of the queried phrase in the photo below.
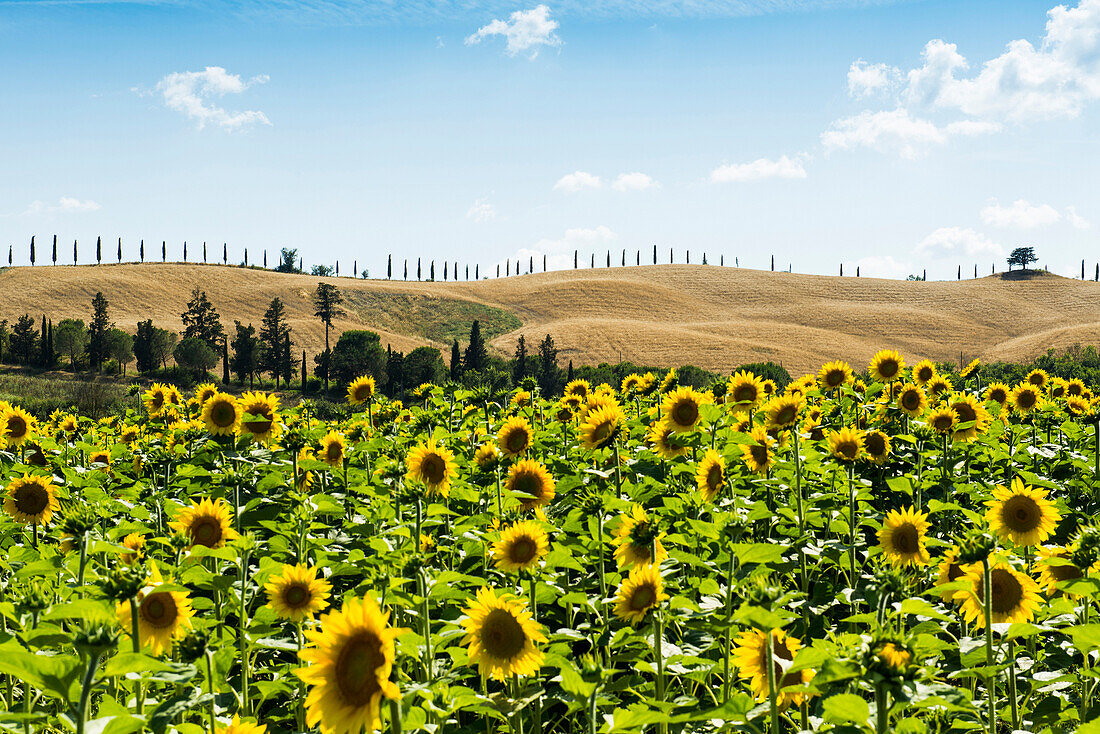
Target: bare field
(663, 315)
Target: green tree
(423, 364)
(164, 343)
(97, 332)
(274, 337)
(246, 353)
(1022, 256)
(519, 364)
(201, 321)
(120, 348)
(72, 339)
(288, 261)
(327, 302)
(456, 361)
(477, 356)
(548, 376)
(24, 338)
(194, 354)
(358, 352)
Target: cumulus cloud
(559, 251)
(948, 241)
(64, 205)
(634, 181)
(578, 180)
(525, 31)
(881, 266)
(481, 211)
(761, 168)
(1076, 219)
(944, 98)
(1021, 214)
(192, 93)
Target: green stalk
(659, 684)
(852, 519)
(990, 681)
(773, 693)
(727, 681)
(242, 634)
(882, 709)
(139, 694)
(1012, 685)
(395, 716)
(209, 654)
(83, 559)
(86, 690)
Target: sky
(896, 137)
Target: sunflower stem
(242, 633)
(852, 520)
(773, 704)
(728, 653)
(804, 580)
(139, 694)
(882, 708)
(83, 559)
(987, 608)
(209, 654)
(395, 716)
(1012, 685)
(659, 684)
(86, 690)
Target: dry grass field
(663, 315)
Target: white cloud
(947, 241)
(525, 30)
(559, 252)
(1076, 219)
(897, 131)
(481, 211)
(578, 180)
(1021, 214)
(785, 167)
(881, 266)
(191, 92)
(866, 79)
(634, 181)
(65, 205)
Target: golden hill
(663, 315)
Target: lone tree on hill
(1022, 256)
(326, 301)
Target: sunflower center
(1026, 399)
(502, 636)
(744, 394)
(334, 452)
(998, 396)
(433, 468)
(522, 550)
(848, 449)
(222, 414)
(1006, 591)
(159, 610)
(910, 400)
(296, 596)
(875, 443)
(528, 485)
(601, 432)
(888, 368)
(966, 412)
(785, 415)
(17, 427)
(834, 377)
(644, 597)
(516, 440)
(1021, 514)
(31, 499)
(685, 413)
(206, 531)
(942, 422)
(759, 454)
(356, 669)
(715, 478)
(260, 424)
(905, 539)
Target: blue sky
(895, 136)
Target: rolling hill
(663, 315)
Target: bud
(123, 583)
(95, 640)
(1087, 550)
(79, 520)
(975, 547)
(759, 590)
(193, 646)
(32, 599)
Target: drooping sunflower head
(259, 416)
(710, 475)
(502, 635)
(333, 449)
(520, 398)
(1022, 514)
(1057, 388)
(221, 414)
(949, 570)
(923, 372)
(515, 436)
(69, 424)
(204, 392)
(206, 523)
(349, 663)
(833, 375)
(744, 391)
(782, 411)
(760, 455)
(1025, 398)
(521, 546)
(1014, 595)
(1037, 377)
(876, 446)
(99, 456)
(846, 444)
(1055, 566)
(664, 442)
(631, 385)
(636, 538)
(31, 500)
(680, 409)
(601, 426)
(297, 594)
(531, 483)
(942, 420)
(902, 537)
(887, 366)
(433, 466)
(750, 656)
(971, 369)
(998, 392)
(361, 390)
(135, 544)
(128, 434)
(911, 400)
(17, 425)
(641, 591)
(1078, 406)
(973, 418)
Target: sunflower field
(883, 551)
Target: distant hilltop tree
(1022, 256)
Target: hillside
(662, 315)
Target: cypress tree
(498, 270)
(299, 264)
(120, 250)
(55, 249)
(773, 263)
(50, 343)
(592, 264)
(467, 271)
(406, 275)
(265, 259)
(456, 361)
(544, 262)
(531, 265)
(574, 259)
(225, 360)
(444, 270)
(389, 266)
(569, 373)
(304, 373)
(624, 258)
(32, 250)
(671, 258)
(9, 255)
(476, 357)
(185, 250)
(842, 270)
(204, 252)
(225, 253)
(960, 275)
(507, 267)
(355, 268)
(337, 268)
(638, 257)
(246, 257)
(74, 254)
(688, 259)
(288, 361)
(857, 271)
(609, 258)
(163, 251)
(477, 271)
(418, 268)
(655, 254)
(44, 350)
(431, 275)
(98, 250)
(141, 250)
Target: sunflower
(781, 412)
(894, 654)
(350, 660)
(521, 398)
(100, 456)
(69, 424)
(531, 482)
(260, 416)
(502, 635)
(1075, 387)
(580, 388)
(877, 446)
(942, 420)
(639, 592)
(1014, 596)
(751, 658)
(17, 425)
(333, 449)
(1022, 514)
(759, 456)
(297, 594)
(1038, 378)
(631, 384)
(1051, 574)
(886, 366)
(236, 726)
(970, 369)
(221, 414)
(744, 391)
(600, 426)
(833, 375)
(948, 571)
(486, 456)
(710, 476)
(902, 537)
(1078, 406)
(515, 436)
(162, 615)
(136, 545)
(433, 466)
(155, 399)
(669, 382)
(663, 441)
(636, 538)
(911, 400)
(204, 392)
(361, 390)
(129, 434)
(680, 408)
(923, 372)
(31, 500)
(1057, 388)
(969, 411)
(769, 388)
(521, 546)
(206, 523)
(998, 392)
(1025, 398)
(939, 386)
(846, 444)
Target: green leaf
(846, 708)
(923, 608)
(759, 552)
(1085, 637)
